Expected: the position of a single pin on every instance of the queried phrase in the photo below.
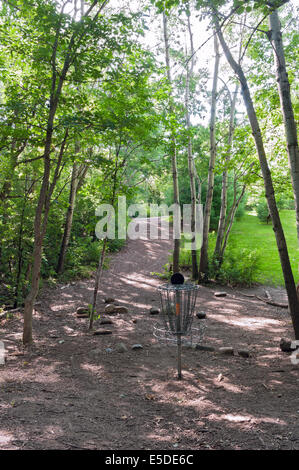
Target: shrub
(239, 267)
(82, 259)
(83, 252)
(185, 259)
(262, 210)
(284, 203)
(115, 245)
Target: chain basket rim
(175, 287)
(195, 334)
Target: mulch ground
(74, 390)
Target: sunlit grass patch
(252, 247)
(252, 234)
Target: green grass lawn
(252, 234)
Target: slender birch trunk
(230, 223)
(69, 219)
(77, 173)
(223, 208)
(102, 257)
(284, 90)
(97, 283)
(176, 197)
(268, 184)
(203, 266)
(191, 164)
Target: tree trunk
(199, 183)
(230, 224)
(76, 176)
(203, 267)
(190, 154)
(176, 197)
(97, 283)
(223, 208)
(268, 184)
(37, 249)
(40, 224)
(283, 85)
(102, 257)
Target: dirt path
(75, 391)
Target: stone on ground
(82, 312)
(154, 311)
(102, 332)
(226, 351)
(220, 294)
(137, 346)
(201, 315)
(111, 309)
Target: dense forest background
(160, 102)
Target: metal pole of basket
(177, 280)
(178, 331)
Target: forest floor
(74, 390)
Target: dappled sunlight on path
(74, 390)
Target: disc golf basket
(177, 311)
